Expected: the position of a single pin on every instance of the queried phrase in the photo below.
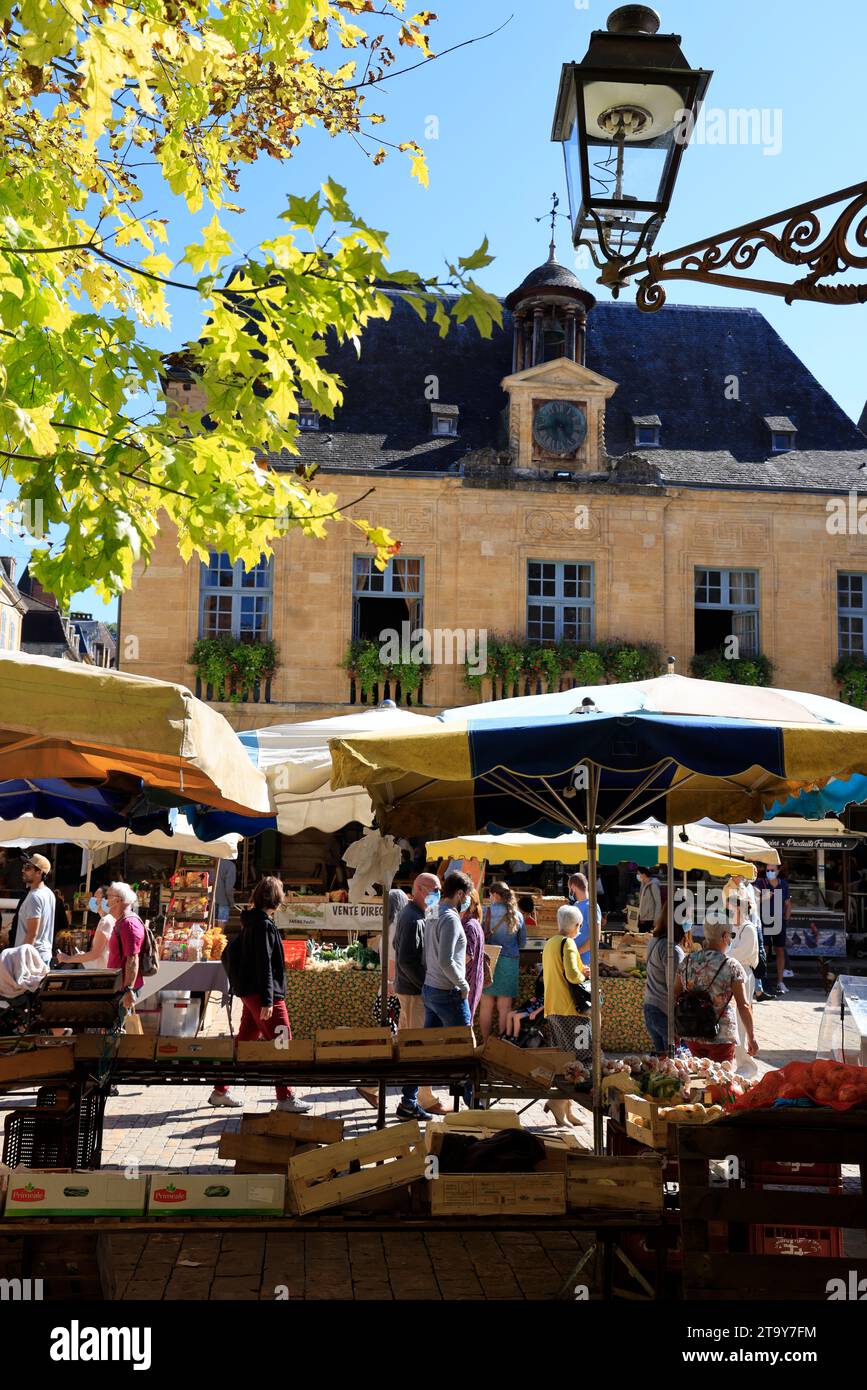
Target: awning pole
(669, 912)
(383, 1008)
(89, 853)
(595, 999)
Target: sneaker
(788, 974)
(293, 1106)
(412, 1112)
(223, 1098)
(781, 988)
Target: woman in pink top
(125, 946)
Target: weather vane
(553, 214)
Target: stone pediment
(561, 375)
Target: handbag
(581, 995)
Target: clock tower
(556, 406)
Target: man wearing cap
(36, 913)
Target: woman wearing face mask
(97, 957)
(445, 990)
(504, 927)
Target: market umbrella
(105, 808)
(648, 846)
(97, 844)
(584, 759)
(297, 763)
(108, 728)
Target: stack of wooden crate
(268, 1143)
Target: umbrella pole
(89, 853)
(595, 997)
(383, 1008)
(669, 912)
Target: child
(527, 909)
(529, 1010)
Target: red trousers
(253, 1027)
(716, 1052)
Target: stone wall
(644, 542)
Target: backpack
(580, 992)
(149, 955)
(231, 963)
(694, 1013)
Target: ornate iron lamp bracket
(799, 241)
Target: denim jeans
(656, 1022)
(445, 1008)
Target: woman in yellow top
(561, 966)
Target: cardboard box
(499, 1194)
(36, 1194)
(21, 1058)
(94, 1047)
(291, 1054)
(201, 1048)
(221, 1194)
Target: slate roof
(682, 364)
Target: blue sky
(493, 168)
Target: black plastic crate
(40, 1137)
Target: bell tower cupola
(549, 314)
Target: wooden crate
(93, 1047)
(614, 1184)
(499, 1194)
(290, 1054)
(643, 1123)
(546, 917)
(724, 1268)
(559, 1148)
(647, 1122)
(269, 1150)
(619, 960)
(482, 1119)
(320, 1179)
(435, 1134)
(19, 1059)
(540, 1064)
(435, 1044)
(201, 1048)
(354, 1045)
(318, 1129)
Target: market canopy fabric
(642, 845)
(89, 724)
(669, 747)
(296, 760)
(30, 830)
(831, 799)
(105, 809)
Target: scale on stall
(75, 998)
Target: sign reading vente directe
(300, 916)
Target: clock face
(559, 427)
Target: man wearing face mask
(445, 981)
(409, 972)
(775, 902)
(649, 900)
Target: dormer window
(308, 418)
(444, 419)
(646, 429)
(783, 433)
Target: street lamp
(624, 117)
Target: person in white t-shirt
(743, 915)
(97, 957)
(36, 913)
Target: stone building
(587, 473)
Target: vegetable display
(824, 1082)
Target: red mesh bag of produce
(825, 1082)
